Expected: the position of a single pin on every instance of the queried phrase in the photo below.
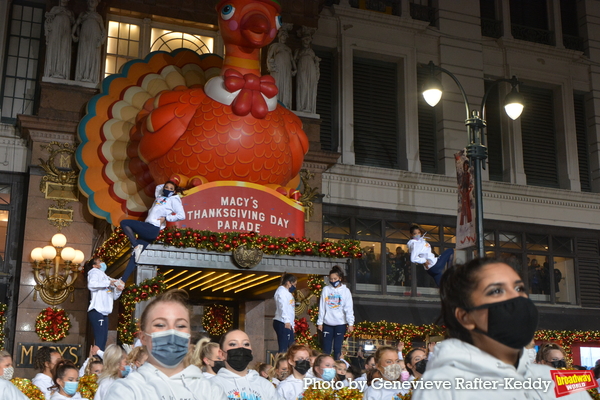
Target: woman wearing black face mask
(490, 320)
(292, 387)
(283, 322)
(236, 379)
(416, 362)
(166, 207)
(207, 355)
(336, 310)
(553, 356)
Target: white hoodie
(249, 387)
(336, 307)
(103, 295)
(420, 252)
(168, 207)
(148, 383)
(43, 382)
(285, 306)
(10, 391)
(456, 360)
(291, 388)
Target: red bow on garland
(250, 98)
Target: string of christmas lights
(129, 298)
(118, 243)
(2, 324)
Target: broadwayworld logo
(566, 382)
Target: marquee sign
(233, 206)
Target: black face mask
(559, 364)
(340, 377)
(420, 366)
(512, 322)
(239, 358)
(218, 365)
(302, 366)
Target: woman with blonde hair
(165, 325)
(206, 355)
(115, 367)
(137, 357)
(387, 368)
(263, 369)
(280, 371)
(8, 390)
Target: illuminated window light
(218, 283)
(257, 283)
(233, 283)
(196, 280)
(168, 272)
(243, 283)
(210, 280)
(175, 276)
(184, 279)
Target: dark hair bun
(338, 271)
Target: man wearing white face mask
(7, 389)
(105, 291)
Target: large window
(326, 100)
(375, 113)
(539, 137)
(583, 150)
(129, 38)
(385, 265)
(427, 128)
(19, 84)
(529, 20)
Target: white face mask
(392, 372)
(8, 373)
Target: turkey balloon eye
(278, 22)
(227, 12)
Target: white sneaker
(137, 252)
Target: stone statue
(89, 31)
(58, 41)
(308, 73)
(281, 65)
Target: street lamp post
(476, 149)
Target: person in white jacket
(292, 387)
(105, 291)
(115, 368)
(166, 207)
(10, 391)
(7, 389)
(420, 253)
(165, 324)
(336, 310)
(490, 320)
(236, 380)
(66, 382)
(44, 360)
(285, 313)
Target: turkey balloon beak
(255, 28)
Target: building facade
(382, 157)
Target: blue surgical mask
(417, 237)
(70, 388)
(328, 374)
(167, 193)
(169, 347)
(102, 267)
(126, 372)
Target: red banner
(231, 206)
(465, 221)
(567, 382)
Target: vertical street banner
(465, 221)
